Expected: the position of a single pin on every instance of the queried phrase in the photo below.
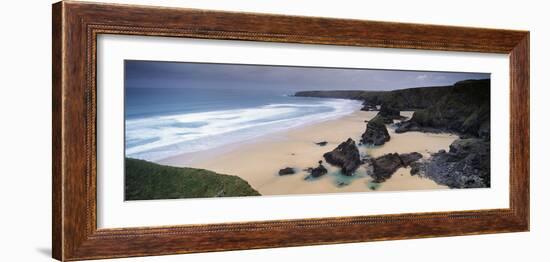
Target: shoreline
(258, 160)
(191, 132)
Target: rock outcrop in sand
(462, 108)
(466, 165)
(287, 171)
(376, 132)
(410, 158)
(390, 112)
(317, 172)
(384, 166)
(346, 156)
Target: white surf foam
(155, 138)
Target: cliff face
(345, 94)
(463, 107)
(403, 99)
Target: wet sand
(259, 161)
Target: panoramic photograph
(202, 130)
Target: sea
(165, 122)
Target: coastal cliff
(404, 99)
(462, 108)
(465, 110)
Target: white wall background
(25, 147)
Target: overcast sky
(203, 75)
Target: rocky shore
(376, 133)
(385, 166)
(465, 165)
(346, 156)
(462, 109)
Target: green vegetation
(465, 109)
(379, 120)
(411, 99)
(145, 180)
(403, 99)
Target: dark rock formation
(464, 110)
(369, 107)
(383, 167)
(322, 143)
(466, 165)
(346, 94)
(390, 113)
(385, 120)
(287, 171)
(316, 172)
(319, 171)
(376, 133)
(408, 99)
(409, 158)
(417, 168)
(346, 156)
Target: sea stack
(346, 156)
(376, 133)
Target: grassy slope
(145, 180)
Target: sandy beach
(258, 161)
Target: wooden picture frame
(76, 26)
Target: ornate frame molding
(76, 26)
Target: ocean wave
(155, 138)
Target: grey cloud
(204, 75)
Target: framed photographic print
(182, 130)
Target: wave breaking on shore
(155, 138)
